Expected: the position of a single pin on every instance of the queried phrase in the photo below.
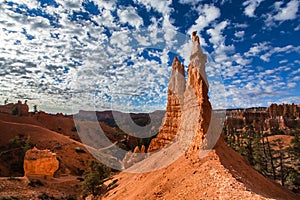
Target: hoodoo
(188, 111)
(187, 130)
(172, 119)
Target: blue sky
(68, 55)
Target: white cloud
(43, 77)
(192, 2)
(257, 49)
(185, 51)
(265, 51)
(287, 13)
(281, 14)
(291, 85)
(106, 19)
(207, 14)
(215, 33)
(129, 15)
(239, 34)
(161, 6)
(121, 39)
(277, 50)
(283, 61)
(251, 6)
(296, 78)
(288, 100)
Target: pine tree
(95, 177)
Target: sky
(67, 55)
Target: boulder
(40, 163)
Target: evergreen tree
(95, 177)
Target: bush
(95, 177)
(74, 129)
(79, 150)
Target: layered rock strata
(172, 119)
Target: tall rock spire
(198, 58)
(196, 100)
(172, 117)
(188, 109)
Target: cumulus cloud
(216, 37)
(161, 6)
(129, 15)
(192, 2)
(288, 100)
(239, 34)
(207, 14)
(287, 13)
(66, 56)
(250, 7)
(282, 13)
(77, 63)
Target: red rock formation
(40, 163)
(189, 111)
(171, 121)
(15, 109)
(196, 101)
(285, 110)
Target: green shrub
(95, 177)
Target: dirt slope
(55, 188)
(222, 174)
(71, 162)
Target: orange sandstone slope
(71, 162)
(222, 174)
(219, 174)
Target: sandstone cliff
(282, 117)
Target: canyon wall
(284, 117)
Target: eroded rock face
(171, 121)
(196, 106)
(284, 110)
(20, 109)
(189, 111)
(283, 116)
(40, 163)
